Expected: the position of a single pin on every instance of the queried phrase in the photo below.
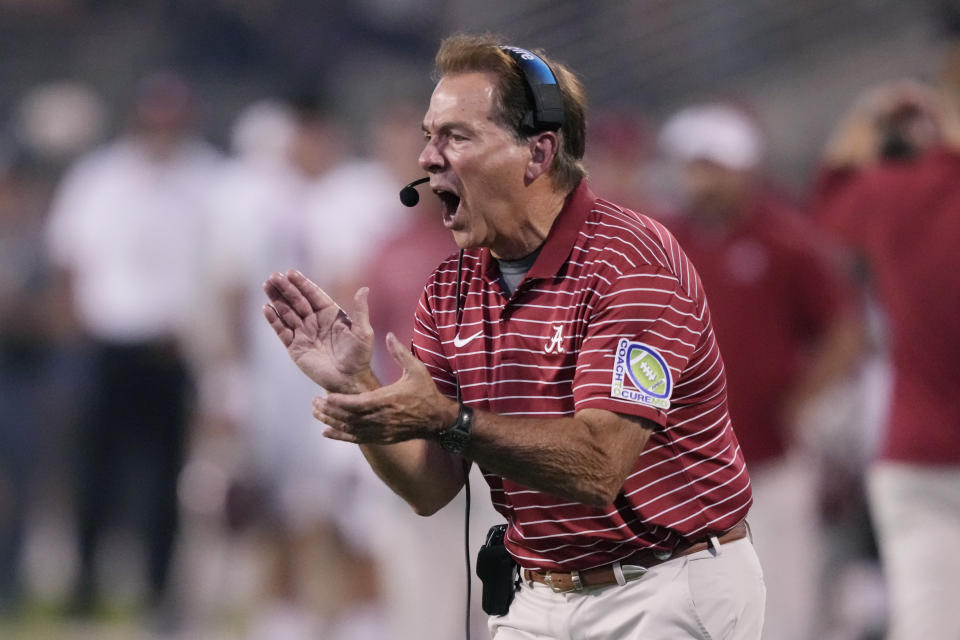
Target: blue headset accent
(547, 112)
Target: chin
(463, 240)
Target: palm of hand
(333, 350)
(328, 349)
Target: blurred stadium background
(68, 69)
(799, 64)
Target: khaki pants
(916, 511)
(707, 595)
(788, 539)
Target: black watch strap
(456, 438)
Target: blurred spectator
(125, 230)
(398, 267)
(890, 189)
(297, 198)
(25, 329)
(60, 120)
(418, 558)
(617, 157)
(786, 331)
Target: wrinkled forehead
(461, 97)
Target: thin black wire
(466, 472)
(466, 542)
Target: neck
(534, 219)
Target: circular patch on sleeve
(641, 375)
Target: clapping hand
(332, 348)
(411, 407)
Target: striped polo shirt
(611, 316)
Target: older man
(569, 353)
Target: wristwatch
(455, 439)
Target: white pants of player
(916, 511)
(787, 536)
(707, 595)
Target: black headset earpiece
(547, 113)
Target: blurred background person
(51, 124)
(298, 197)
(889, 188)
(419, 559)
(787, 331)
(397, 267)
(26, 328)
(124, 232)
(618, 157)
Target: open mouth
(450, 202)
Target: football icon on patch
(641, 375)
(647, 369)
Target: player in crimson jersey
(592, 390)
(890, 189)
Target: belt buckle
(574, 578)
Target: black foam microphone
(409, 196)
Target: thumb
(401, 354)
(361, 313)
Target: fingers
(343, 425)
(283, 293)
(290, 318)
(316, 297)
(336, 428)
(282, 330)
(332, 414)
(348, 407)
(334, 434)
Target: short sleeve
(641, 333)
(427, 346)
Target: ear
(543, 150)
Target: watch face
(453, 440)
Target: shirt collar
(563, 234)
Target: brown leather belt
(629, 568)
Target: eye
(458, 137)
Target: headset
(547, 112)
(543, 92)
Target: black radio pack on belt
(498, 572)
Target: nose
(431, 160)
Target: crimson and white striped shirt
(612, 316)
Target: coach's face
(476, 165)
